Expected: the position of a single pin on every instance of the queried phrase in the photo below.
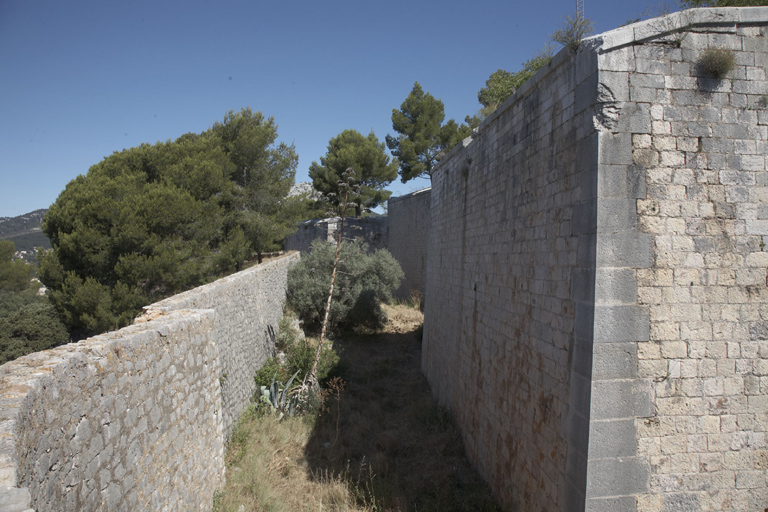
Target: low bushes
(363, 281)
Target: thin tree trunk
(312, 377)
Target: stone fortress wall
(596, 303)
(596, 311)
(136, 419)
(408, 219)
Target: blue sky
(82, 79)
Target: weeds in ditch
(377, 441)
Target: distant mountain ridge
(25, 231)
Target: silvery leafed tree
(347, 187)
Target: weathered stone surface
(136, 419)
(619, 283)
(408, 218)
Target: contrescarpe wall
(248, 306)
(408, 221)
(136, 419)
(596, 277)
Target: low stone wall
(136, 419)
(248, 306)
(129, 420)
(408, 218)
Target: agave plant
(281, 401)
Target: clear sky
(82, 79)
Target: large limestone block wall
(596, 287)
(680, 401)
(248, 306)
(408, 219)
(509, 235)
(136, 419)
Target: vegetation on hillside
(21, 224)
(154, 220)
(28, 322)
(26, 232)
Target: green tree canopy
(422, 137)
(502, 84)
(14, 275)
(364, 280)
(368, 160)
(153, 220)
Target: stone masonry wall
(509, 234)
(248, 307)
(408, 218)
(596, 290)
(136, 419)
(682, 418)
(129, 420)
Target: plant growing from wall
(716, 62)
(573, 31)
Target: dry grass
(267, 471)
(379, 444)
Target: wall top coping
(617, 38)
(409, 195)
(674, 22)
(169, 303)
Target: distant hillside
(25, 231)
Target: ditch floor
(380, 434)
